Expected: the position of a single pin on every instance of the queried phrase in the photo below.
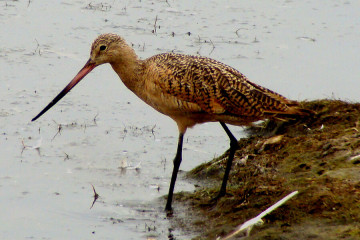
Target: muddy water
(304, 50)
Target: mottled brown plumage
(189, 89)
(192, 89)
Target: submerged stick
(96, 196)
(248, 225)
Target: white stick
(248, 225)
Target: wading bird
(188, 89)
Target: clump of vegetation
(318, 156)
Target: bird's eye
(102, 47)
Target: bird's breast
(166, 103)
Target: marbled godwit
(189, 89)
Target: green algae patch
(318, 156)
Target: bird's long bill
(82, 73)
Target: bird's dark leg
(177, 162)
(233, 146)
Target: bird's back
(206, 89)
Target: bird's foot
(169, 213)
(169, 210)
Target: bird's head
(106, 49)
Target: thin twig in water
(236, 32)
(154, 31)
(152, 130)
(163, 161)
(212, 48)
(24, 147)
(37, 49)
(96, 196)
(66, 156)
(143, 47)
(58, 132)
(95, 118)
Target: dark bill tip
(82, 73)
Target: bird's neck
(128, 66)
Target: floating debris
(35, 147)
(307, 39)
(125, 165)
(96, 196)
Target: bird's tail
(293, 112)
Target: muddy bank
(319, 157)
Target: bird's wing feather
(217, 88)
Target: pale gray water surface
(302, 49)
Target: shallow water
(304, 50)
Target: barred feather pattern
(193, 89)
(217, 88)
